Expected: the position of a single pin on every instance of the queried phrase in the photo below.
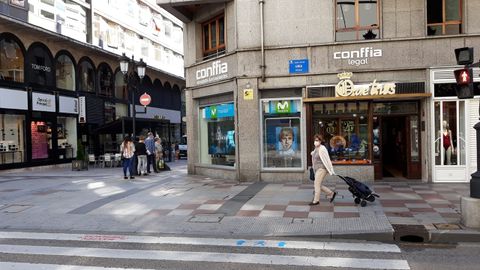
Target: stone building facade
(375, 78)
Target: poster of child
(287, 140)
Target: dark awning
(124, 125)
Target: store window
(450, 137)
(40, 65)
(11, 61)
(213, 33)
(282, 145)
(344, 127)
(65, 72)
(120, 86)
(87, 76)
(12, 138)
(41, 134)
(109, 112)
(357, 20)
(105, 80)
(67, 137)
(444, 17)
(217, 135)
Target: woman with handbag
(321, 166)
(127, 148)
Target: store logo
(41, 68)
(217, 71)
(346, 88)
(359, 57)
(283, 107)
(44, 102)
(213, 112)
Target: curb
(449, 236)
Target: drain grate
(302, 220)
(446, 226)
(410, 233)
(206, 218)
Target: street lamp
(131, 80)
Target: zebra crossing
(32, 250)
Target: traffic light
(464, 78)
(464, 55)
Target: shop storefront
(217, 134)
(282, 134)
(453, 140)
(13, 110)
(372, 130)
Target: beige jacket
(322, 152)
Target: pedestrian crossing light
(464, 78)
(464, 55)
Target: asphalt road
(48, 251)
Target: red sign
(145, 99)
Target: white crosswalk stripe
(192, 256)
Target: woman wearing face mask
(321, 165)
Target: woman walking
(128, 149)
(321, 165)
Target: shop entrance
(396, 147)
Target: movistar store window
(281, 128)
(217, 134)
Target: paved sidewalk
(172, 202)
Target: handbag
(312, 174)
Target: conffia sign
(358, 57)
(218, 70)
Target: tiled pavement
(169, 201)
(402, 202)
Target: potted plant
(80, 163)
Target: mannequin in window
(447, 140)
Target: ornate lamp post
(132, 80)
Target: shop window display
(281, 134)
(217, 135)
(450, 139)
(66, 134)
(12, 130)
(345, 129)
(41, 134)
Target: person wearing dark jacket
(141, 152)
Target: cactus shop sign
(346, 87)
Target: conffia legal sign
(358, 57)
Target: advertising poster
(221, 138)
(287, 138)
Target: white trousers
(319, 176)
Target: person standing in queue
(321, 165)
(150, 144)
(127, 148)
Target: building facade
(61, 85)
(375, 78)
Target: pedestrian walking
(127, 148)
(141, 153)
(150, 144)
(321, 165)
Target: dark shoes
(132, 177)
(314, 203)
(125, 177)
(333, 196)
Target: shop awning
(123, 125)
